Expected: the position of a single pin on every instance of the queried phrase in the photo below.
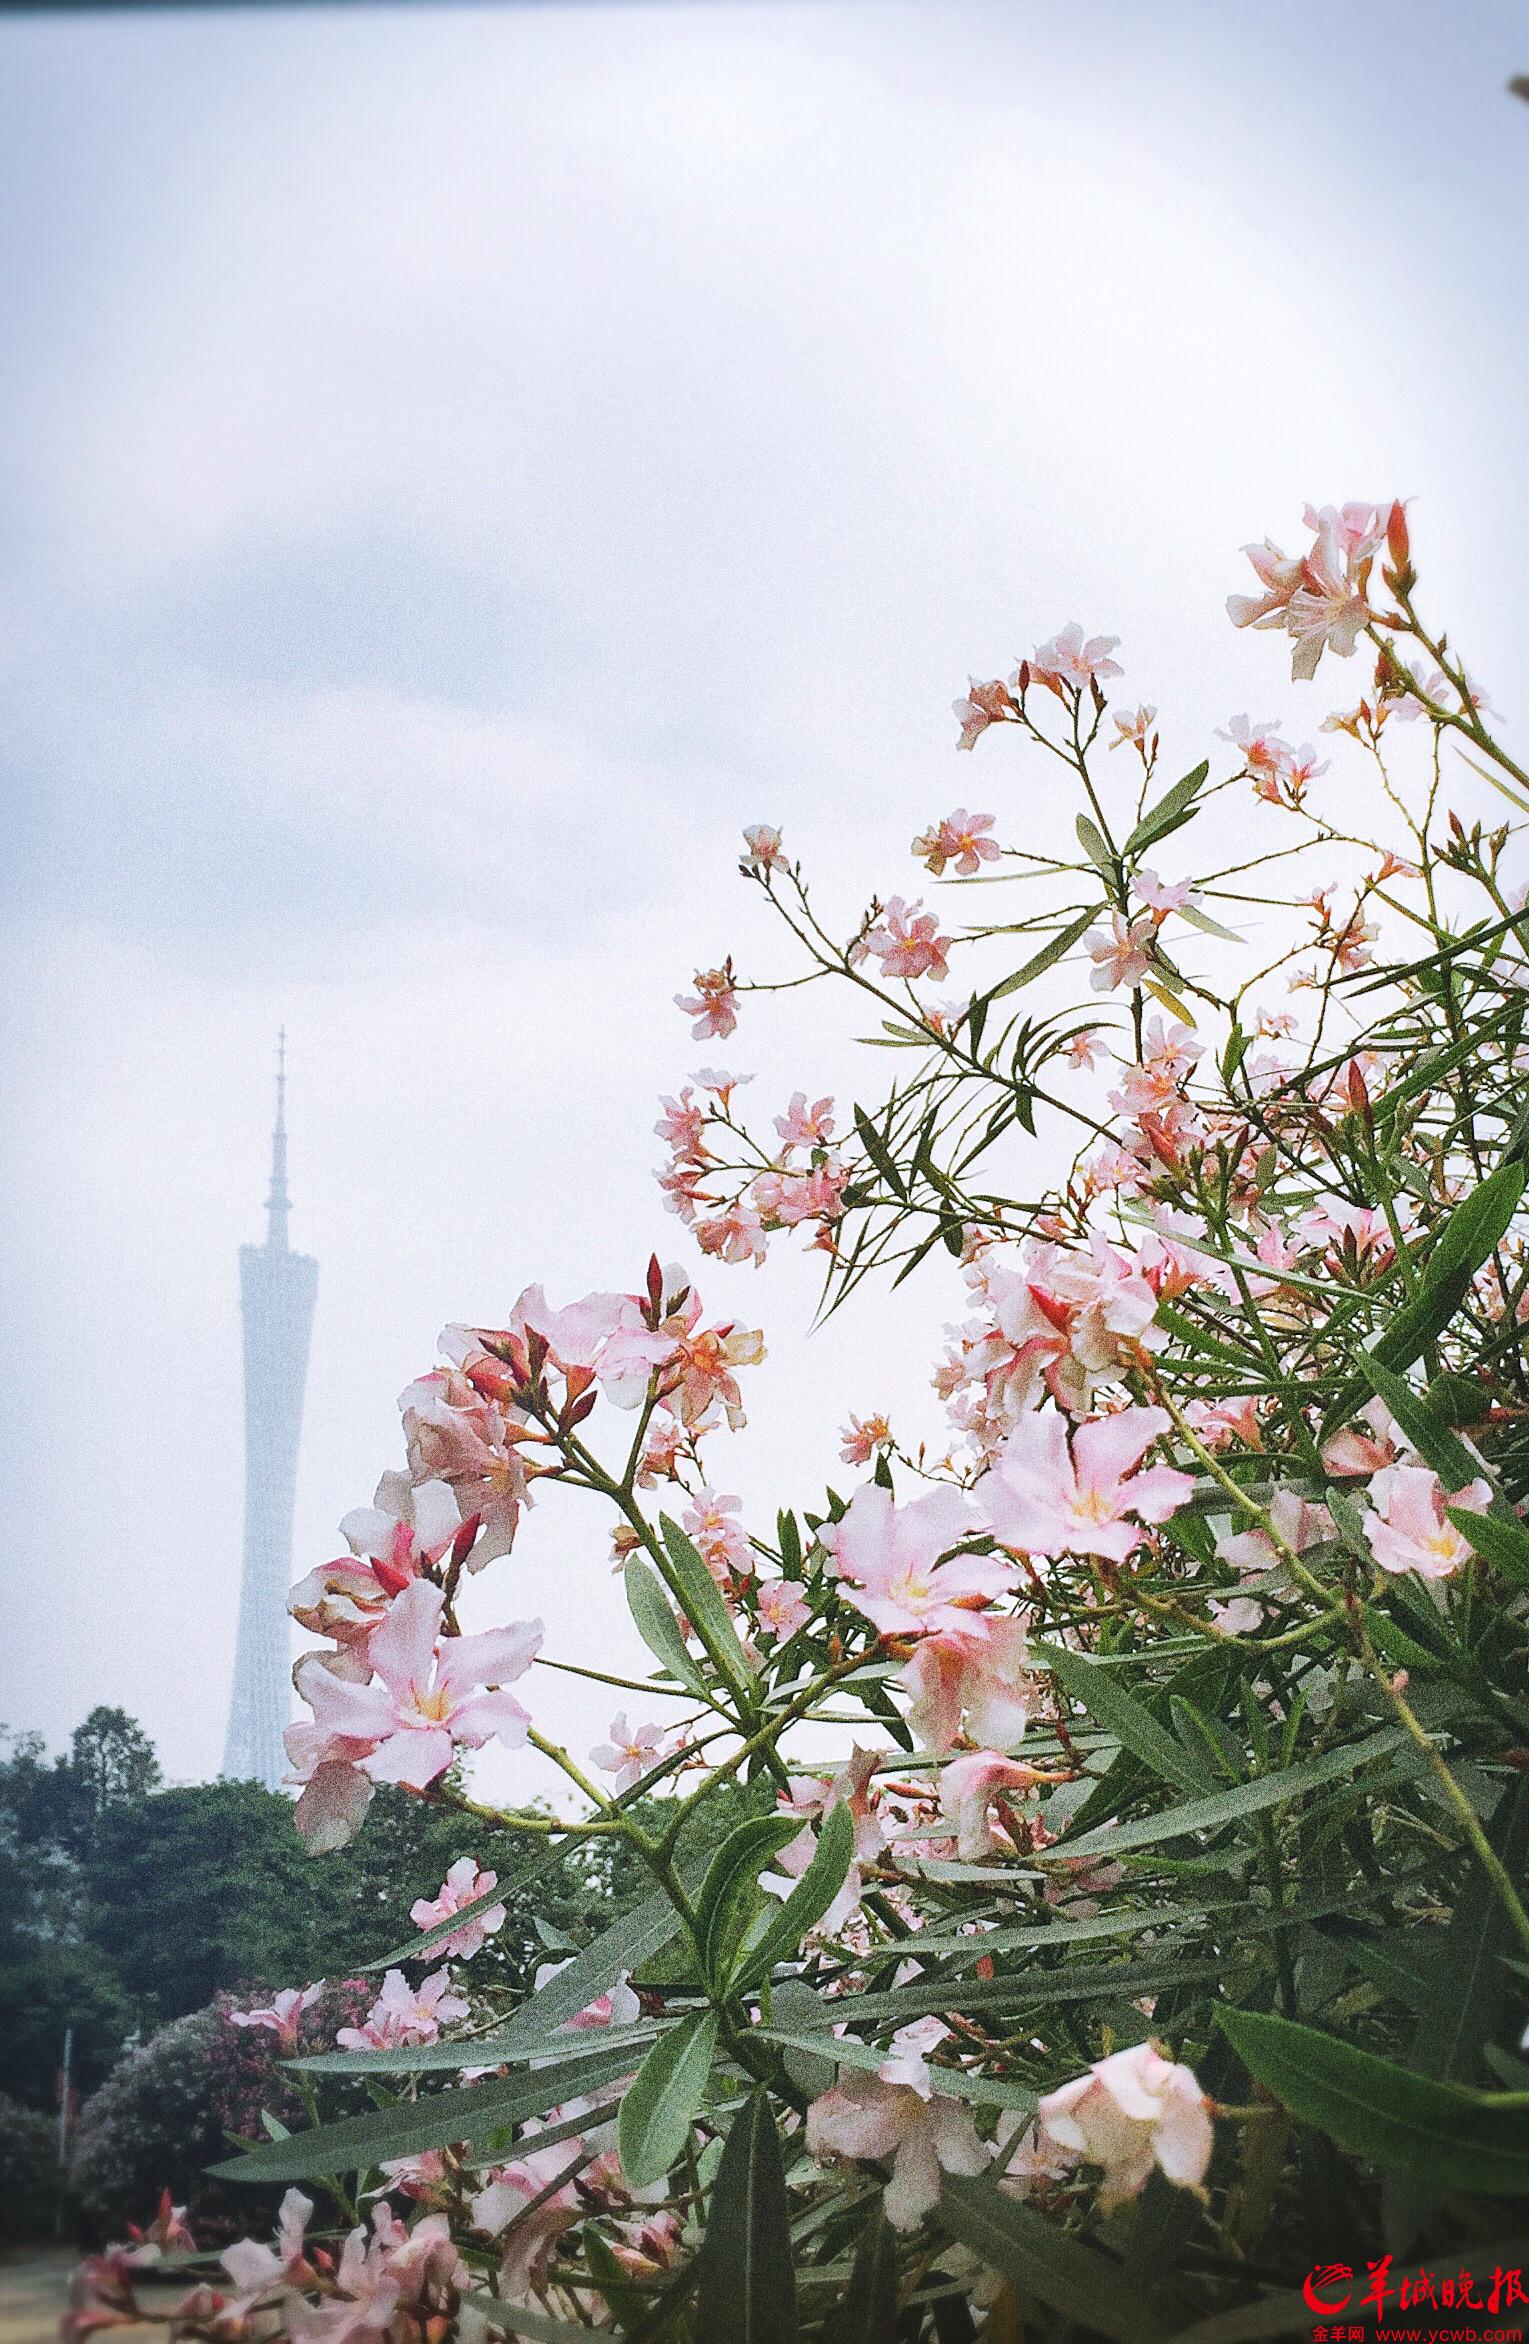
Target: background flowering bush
(1122, 1917)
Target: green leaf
(1208, 926)
(1503, 1544)
(746, 2279)
(730, 1892)
(1094, 844)
(657, 1625)
(809, 1900)
(1455, 1252)
(707, 1613)
(470, 2114)
(1171, 808)
(1470, 1977)
(1398, 2120)
(1048, 956)
(1100, 1692)
(521, 2319)
(1434, 1442)
(1041, 2260)
(626, 1945)
(1230, 1806)
(663, 2098)
(954, 2083)
(880, 1154)
(868, 2314)
(627, 2303)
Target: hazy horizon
(460, 467)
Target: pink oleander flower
(1320, 600)
(710, 1521)
(735, 1235)
(864, 1438)
(630, 1752)
(283, 2015)
(430, 1695)
(461, 1427)
(985, 704)
(1131, 2112)
(783, 1608)
(463, 1885)
(682, 1127)
(899, 2113)
(714, 1006)
(257, 2269)
(960, 839)
(891, 1557)
(542, 2179)
(1220, 1422)
(397, 2282)
(405, 2014)
(1162, 897)
(1264, 754)
(1363, 1231)
(907, 942)
(1263, 1573)
(786, 1199)
(1087, 1048)
(806, 1127)
(1044, 1501)
(976, 1673)
(1407, 1526)
(408, 1528)
(1357, 1450)
(1122, 953)
(1067, 659)
(577, 1334)
(694, 1365)
(1132, 731)
(764, 849)
(968, 1787)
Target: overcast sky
(457, 468)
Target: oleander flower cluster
(1134, 1755)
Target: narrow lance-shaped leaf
(1094, 844)
(809, 1900)
(747, 2283)
(626, 1945)
(730, 1891)
(1042, 2261)
(1230, 1806)
(1048, 956)
(707, 1613)
(657, 1625)
(1171, 809)
(431, 2122)
(1101, 1693)
(1454, 1463)
(1503, 1544)
(1375, 2109)
(665, 2093)
(869, 2311)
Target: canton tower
(276, 1294)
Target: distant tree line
(125, 1903)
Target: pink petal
(401, 1645)
(1110, 1448)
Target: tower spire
(277, 1204)
(276, 1296)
